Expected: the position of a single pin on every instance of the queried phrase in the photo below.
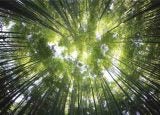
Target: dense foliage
(80, 57)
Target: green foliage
(80, 57)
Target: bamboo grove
(80, 57)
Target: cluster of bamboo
(34, 81)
